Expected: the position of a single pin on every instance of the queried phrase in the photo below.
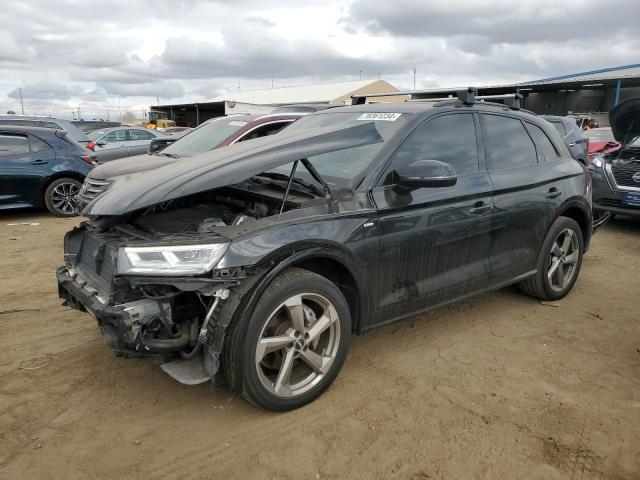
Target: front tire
(559, 261)
(294, 344)
(60, 197)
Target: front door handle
(39, 162)
(479, 208)
(553, 193)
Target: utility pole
(21, 103)
(271, 82)
(107, 114)
(414, 79)
(78, 112)
(360, 72)
(157, 100)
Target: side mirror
(101, 143)
(427, 173)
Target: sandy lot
(498, 387)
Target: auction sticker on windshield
(385, 117)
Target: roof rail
(468, 96)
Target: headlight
(597, 161)
(170, 260)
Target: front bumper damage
(192, 356)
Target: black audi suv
(261, 260)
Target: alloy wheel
(297, 345)
(564, 256)
(63, 198)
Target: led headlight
(170, 260)
(598, 161)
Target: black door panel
(435, 247)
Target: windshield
(600, 135)
(340, 168)
(206, 137)
(96, 134)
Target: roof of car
(31, 117)
(416, 107)
(35, 130)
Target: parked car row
(259, 260)
(214, 133)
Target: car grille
(623, 175)
(614, 202)
(97, 261)
(91, 188)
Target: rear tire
(60, 197)
(559, 261)
(293, 345)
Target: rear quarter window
(507, 143)
(546, 151)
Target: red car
(601, 140)
(214, 133)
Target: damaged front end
(151, 265)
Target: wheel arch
(577, 211)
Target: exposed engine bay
(174, 318)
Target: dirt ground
(501, 386)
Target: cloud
(149, 89)
(101, 53)
(499, 21)
(46, 91)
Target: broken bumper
(120, 324)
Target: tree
(127, 117)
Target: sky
(107, 57)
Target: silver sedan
(113, 143)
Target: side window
(38, 145)
(450, 139)
(50, 125)
(140, 135)
(264, 130)
(11, 144)
(560, 127)
(507, 143)
(546, 151)
(115, 136)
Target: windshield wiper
(287, 178)
(170, 155)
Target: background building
(591, 93)
(265, 100)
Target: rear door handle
(39, 162)
(479, 208)
(553, 193)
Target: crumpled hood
(624, 119)
(128, 165)
(227, 166)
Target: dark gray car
(46, 122)
(113, 143)
(572, 136)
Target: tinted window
(263, 131)
(13, 145)
(450, 139)
(115, 136)
(206, 137)
(140, 135)
(50, 125)
(560, 127)
(507, 143)
(38, 145)
(546, 150)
